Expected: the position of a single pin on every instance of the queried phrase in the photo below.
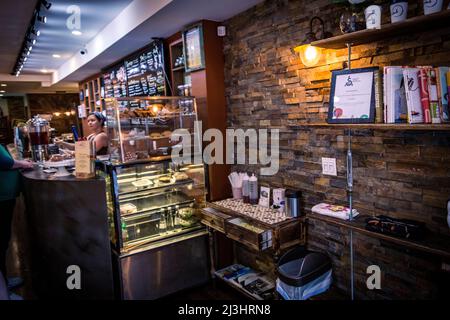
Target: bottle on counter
(245, 189)
(253, 189)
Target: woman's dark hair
(100, 117)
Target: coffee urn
(38, 132)
(292, 198)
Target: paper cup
(432, 6)
(237, 193)
(373, 17)
(399, 11)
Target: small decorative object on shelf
(432, 6)
(352, 17)
(351, 21)
(399, 10)
(373, 17)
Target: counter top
(38, 174)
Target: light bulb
(309, 54)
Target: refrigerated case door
(164, 267)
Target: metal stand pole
(350, 187)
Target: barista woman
(96, 122)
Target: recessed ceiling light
(2, 91)
(44, 70)
(77, 33)
(56, 56)
(1, 95)
(3, 85)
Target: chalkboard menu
(145, 72)
(115, 81)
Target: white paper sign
(84, 164)
(352, 96)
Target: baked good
(155, 135)
(165, 179)
(56, 158)
(166, 134)
(128, 208)
(180, 176)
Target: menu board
(115, 81)
(145, 72)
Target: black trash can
(303, 274)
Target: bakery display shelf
(152, 240)
(433, 243)
(160, 117)
(155, 188)
(154, 210)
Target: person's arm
(101, 140)
(6, 162)
(66, 145)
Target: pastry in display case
(154, 203)
(141, 128)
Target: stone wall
(402, 174)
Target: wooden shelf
(433, 243)
(377, 126)
(409, 26)
(178, 69)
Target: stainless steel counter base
(164, 268)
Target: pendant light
(309, 54)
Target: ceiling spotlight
(56, 56)
(46, 4)
(2, 91)
(35, 32)
(77, 33)
(28, 53)
(3, 85)
(25, 59)
(44, 70)
(42, 19)
(1, 95)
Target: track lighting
(31, 35)
(46, 4)
(42, 19)
(35, 32)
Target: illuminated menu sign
(145, 72)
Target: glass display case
(152, 201)
(150, 197)
(141, 128)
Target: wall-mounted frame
(352, 96)
(194, 55)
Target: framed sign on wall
(194, 56)
(352, 96)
